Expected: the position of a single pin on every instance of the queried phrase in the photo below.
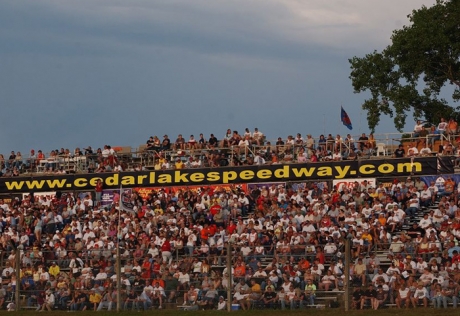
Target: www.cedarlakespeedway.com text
(221, 176)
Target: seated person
(380, 297)
(310, 292)
(357, 296)
(209, 298)
(242, 299)
(269, 298)
(399, 152)
(369, 296)
(158, 294)
(191, 296)
(420, 296)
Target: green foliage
(408, 75)
(406, 138)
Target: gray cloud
(94, 72)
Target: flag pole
(324, 124)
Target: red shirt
(215, 209)
(166, 246)
(156, 267)
(231, 228)
(98, 187)
(320, 257)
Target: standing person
(31, 161)
(433, 135)
(50, 222)
(452, 127)
(442, 126)
(98, 190)
(166, 251)
(417, 129)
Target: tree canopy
(410, 74)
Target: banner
(440, 180)
(38, 195)
(351, 183)
(144, 192)
(110, 196)
(317, 171)
(294, 186)
(446, 164)
(253, 186)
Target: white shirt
(425, 194)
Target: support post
(118, 263)
(229, 274)
(346, 282)
(18, 277)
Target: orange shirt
(304, 264)
(240, 271)
(452, 126)
(449, 186)
(204, 233)
(161, 282)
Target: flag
(345, 119)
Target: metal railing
(138, 159)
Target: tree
(410, 74)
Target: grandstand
(282, 214)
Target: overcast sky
(95, 72)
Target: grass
(315, 312)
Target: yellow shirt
(256, 288)
(366, 236)
(360, 269)
(158, 211)
(95, 298)
(54, 270)
(373, 194)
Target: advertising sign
(317, 171)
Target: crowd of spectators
(234, 149)
(173, 247)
